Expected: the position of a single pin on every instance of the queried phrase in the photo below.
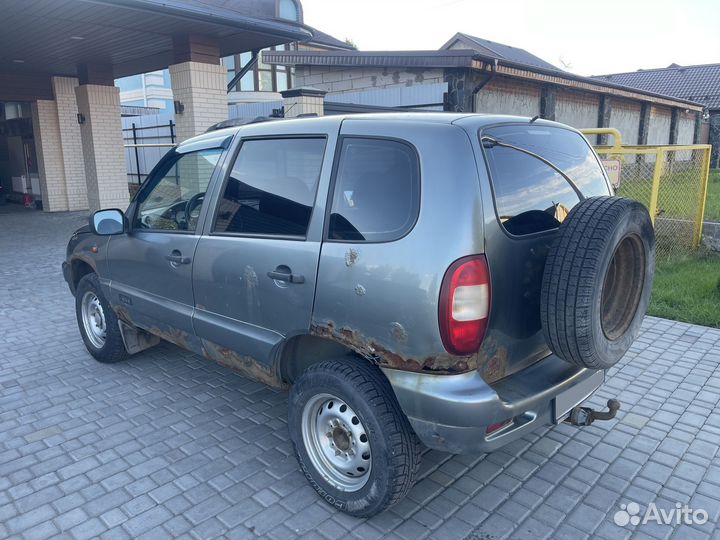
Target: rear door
(255, 269)
(151, 266)
(528, 200)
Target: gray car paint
(379, 300)
(238, 307)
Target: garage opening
(19, 178)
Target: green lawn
(688, 289)
(712, 203)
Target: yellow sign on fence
(670, 180)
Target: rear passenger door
(255, 269)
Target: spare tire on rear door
(597, 281)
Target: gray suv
(446, 279)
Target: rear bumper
(452, 412)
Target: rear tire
(352, 441)
(597, 281)
(97, 322)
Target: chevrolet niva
(456, 280)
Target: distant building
(699, 83)
(147, 90)
(471, 74)
(261, 83)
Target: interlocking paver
(169, 445)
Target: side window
(271, 188)
(176, 193)
(530, 195)
(377, 191)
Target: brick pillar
(46, 131)
(463, 87)
(303, 102)
(674, 125)
(70, 142)
(604, 114)
(102, 145)
(548, 100)
(698, 127)
(714, 139)
(201, 90)
(644, 126)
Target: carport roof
(132, 36)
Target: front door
(151, 266)
(254, 273)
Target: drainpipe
(476, 90)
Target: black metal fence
(145, 145)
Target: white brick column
(202, 90)
(70, 142)
(46, 131)
(303, 101)
(102, 145)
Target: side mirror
(107, 222)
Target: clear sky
(587, 38)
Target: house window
(263, 77)
(288, 9)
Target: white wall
(686, 128)
(508, 97)
(659, 126)
(344, 79)
(576, 109)
(625, 117)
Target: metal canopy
(132, 36)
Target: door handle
(282, 273)
(176, 258)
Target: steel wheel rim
(336, 442)
(93, 319)
(622, 287)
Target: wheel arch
(300, 352)
(79, 269)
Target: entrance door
(151, 267)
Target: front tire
(352, 441)
(97, 322)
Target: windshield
(538, 174)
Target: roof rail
(236, 122)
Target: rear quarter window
(530, 195)
(376, 196)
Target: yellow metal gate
(670, 180)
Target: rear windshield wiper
(491, 142)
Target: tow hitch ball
(584, 416)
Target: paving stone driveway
(169, 445)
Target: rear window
(530, 194)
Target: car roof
(474, 120)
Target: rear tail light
(465, 305)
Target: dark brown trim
(25, 87)
(101, 74)
(196, 48)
